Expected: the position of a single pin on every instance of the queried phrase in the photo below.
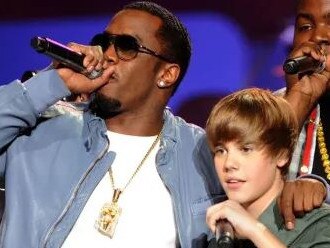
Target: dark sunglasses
(126, 46)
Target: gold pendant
(109, 215)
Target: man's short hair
(174, 36)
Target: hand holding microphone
(63, 55)
(88, 69)
(303, 64)
(230, 221)
(306, 58)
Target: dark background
(241, 46)
(259, 18)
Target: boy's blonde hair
(254, 116)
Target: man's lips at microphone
(113, 79)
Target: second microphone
(303, 64)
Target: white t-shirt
(147, 218)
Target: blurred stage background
(236, 43)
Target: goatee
(104, 107)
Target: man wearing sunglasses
(125, 173)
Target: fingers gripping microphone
(224, 234)
(63, 54)
(303, 64)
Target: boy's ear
(282, 160)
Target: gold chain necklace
(323, 149)
(110, 212)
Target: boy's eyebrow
(218, 144)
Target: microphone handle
(224, 234)
(302, 64)
(63, 55)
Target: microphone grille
(39, 44)
(225, 242)
(290, 67)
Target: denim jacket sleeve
(21, 105)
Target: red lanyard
(308, 145)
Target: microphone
(63, 54)
(224, 234)
(303, 64)
(27, 75)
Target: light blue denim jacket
(51, 167)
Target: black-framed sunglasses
(126, 46)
